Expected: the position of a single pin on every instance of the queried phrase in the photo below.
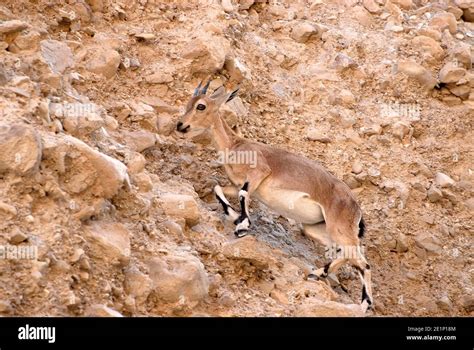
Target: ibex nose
(180, 128)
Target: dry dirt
(121, 210)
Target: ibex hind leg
(365, 274)
(319, 233)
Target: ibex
(290, 184)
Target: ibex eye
(201, 107)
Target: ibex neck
(223, 136)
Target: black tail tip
(361, 228)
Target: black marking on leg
(224, 205)
(361, 227)
(365, 296)
(326, 269)
(242, 204)
(243, 214)
(242, 218)
(245, 187)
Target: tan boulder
(207, 53)
(181, 205)
(444, 20)
(82, 168)
(103, 61)
(451, 73)
(21, 149)
(418, 73)
(179, 278)
(109, 241)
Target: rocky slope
(105, 211)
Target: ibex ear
(220, 96)
(232, 95)
(217, 92)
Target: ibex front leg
(254, 179)
(243, 221)
(229, 212)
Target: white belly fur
(293, 205)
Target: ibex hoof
(241, 233)
(366, 306)
(313, 277)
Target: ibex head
(201, 110)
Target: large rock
(135, 162)
(418, 73)
(434, 194)
(238, 72)
(159, 105)
(462, 54)
(25, 41)
(464, 4)
(451, 73)
(251, 250)
(467, 302)
(57, 54)
(428, 242)
(468, 14)
(110, 241)
(82, 168)
(443, 180)
(405, 4)
(137, 284)
(428, 47)
(207, 54)
(245, 4)
(104, 61)
(12, 26)
(302, 32)
(101, 310)
(362, 16)
(461, 91)
(372, 6)
(159, 78)
(444, 20)
(20, 149)
(467, 6)
(165, 124)
(181, 205)
(96, 5)
(313, 307)
(140, 140)
(179, 278)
